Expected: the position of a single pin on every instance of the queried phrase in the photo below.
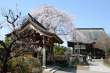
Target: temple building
(94, 43)
(36, 40)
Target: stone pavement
(99, 66)
(87, 71)
(58, 70)
(78, 71)
(96, 66)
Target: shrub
(24, 65)
(108, 51)
(76, 61)
(59, 50)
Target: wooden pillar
(44, 54)
(44, 58)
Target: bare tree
(19, 40)
(9, 51)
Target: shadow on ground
(57, 69)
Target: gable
(32, 24)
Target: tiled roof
(97, 35)
(37, 25)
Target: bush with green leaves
(108, 51)
(24, 65)
(59, 50)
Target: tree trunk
(4, 68)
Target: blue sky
(88, 13)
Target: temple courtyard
(96, 66)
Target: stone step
(82, 67)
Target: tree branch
(3, 44)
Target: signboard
(83, 47)
(79, 47)
(76, 46)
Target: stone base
(82, 67)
